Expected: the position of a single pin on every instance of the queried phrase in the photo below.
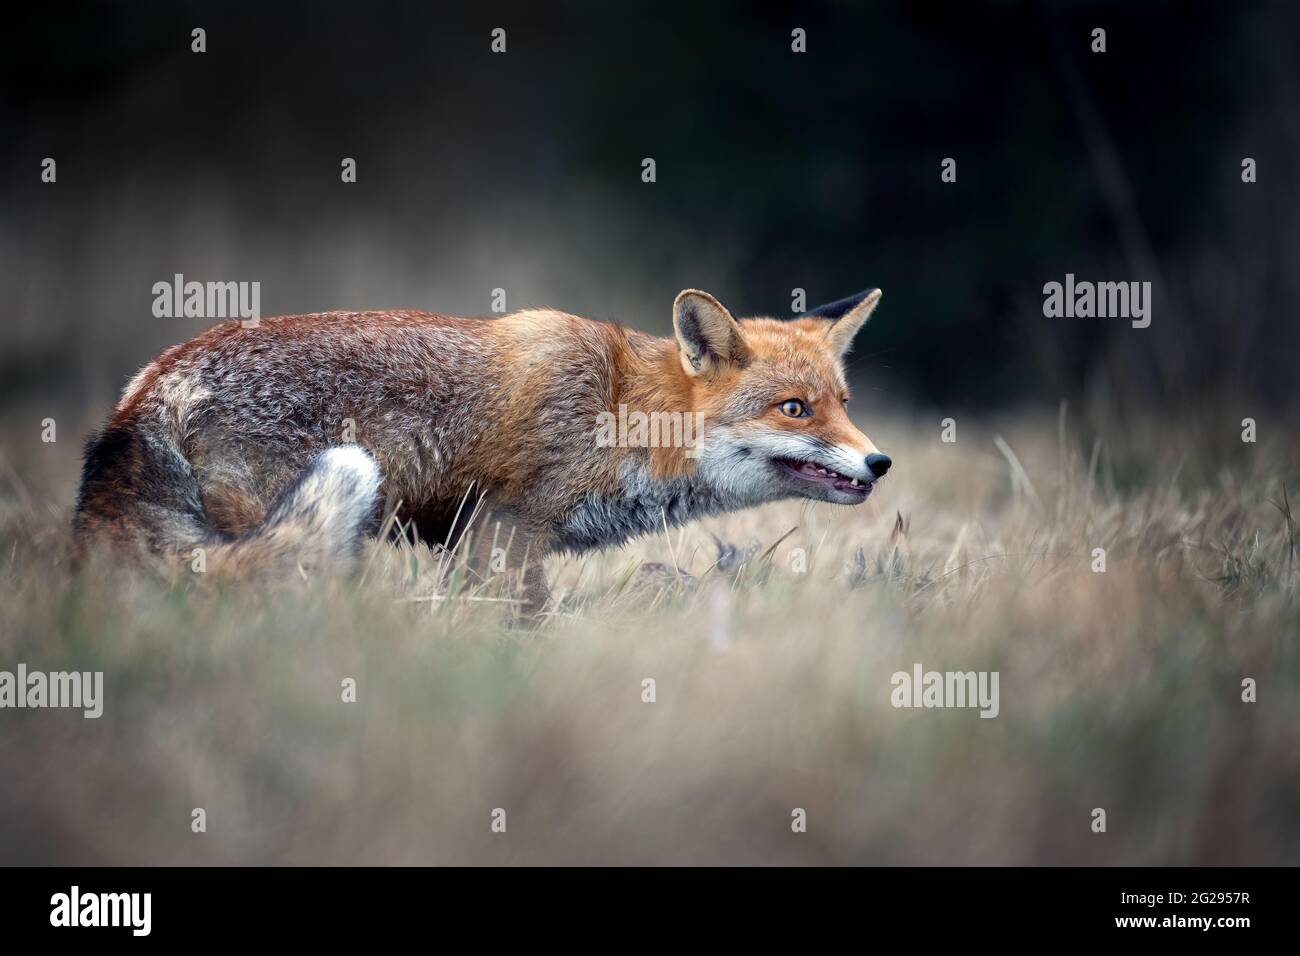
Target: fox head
(774, 399)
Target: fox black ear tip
(838, 309)
(865, 297)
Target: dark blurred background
(775, 171)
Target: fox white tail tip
(340, 488)
(354, 462)
(321, 520)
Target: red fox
(268, 447)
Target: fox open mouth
(816, 474)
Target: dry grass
(1119, 690)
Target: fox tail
(139, 491)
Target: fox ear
(708, 338)
(846, 317)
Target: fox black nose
(879, 464)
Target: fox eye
(793, 408)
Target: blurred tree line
(774, 170)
